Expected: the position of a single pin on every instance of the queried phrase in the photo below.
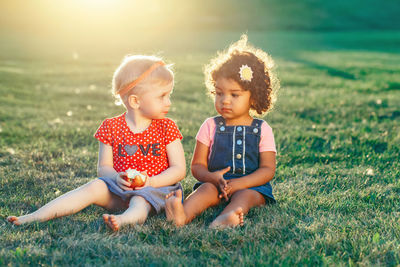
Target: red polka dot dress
(145, 151)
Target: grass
(336, 129)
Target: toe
(178, 193)
(242, 221)
(13, 220)
(115, 226)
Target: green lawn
(336, 126)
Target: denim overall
(238, 147)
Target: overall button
(239, 142)
(238, 156)
(255, 130)
(220, 123)
(239, 129)
(222, 128)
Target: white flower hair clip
(246, 74)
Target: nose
(168, 102)
(225, 100)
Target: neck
(136, 122)
(246, 119)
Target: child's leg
(204, 197)
(137, 212)
(94, 192)
(241, 202)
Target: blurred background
(77, 27)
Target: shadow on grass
(331, 71)
(392, 86)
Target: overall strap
(257, 123)
(219, 120)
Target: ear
(133, 101)
(252, 102)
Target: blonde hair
(131, 67)
(264, 84)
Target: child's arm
(200, 169)
(177, 167)
(262, 175)
(105, 166)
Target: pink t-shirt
(207, 131)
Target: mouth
(225, 110)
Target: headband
(140, 78)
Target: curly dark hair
(263, 85)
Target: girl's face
(231, 101)
(154, 102)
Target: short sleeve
(267, 141)
(103, 133)
(171, 131)
(206, 132)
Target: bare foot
(168, 211)
(14, 220)
(174, 208)
(230, 219)
(112, 221)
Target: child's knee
(208, 187)
(252, 197)
(94, 186)
(140, 202)
(209, 192)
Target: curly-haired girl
(234, 157)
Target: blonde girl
(141, 138)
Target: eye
(235, 95)
(218, 93)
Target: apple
(135, 178)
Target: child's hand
(121, 182)
(234, 186)
(146, 183)
(225, 191)
(221, 183)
